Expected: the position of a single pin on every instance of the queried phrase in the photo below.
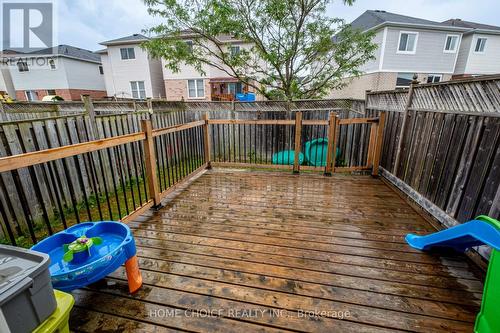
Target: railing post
(206, 134)
(298, 137)
(378, 146)
(332, 135)
(89, 109)
(150, 161)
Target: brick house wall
(357, 87)
(176, 90)
(67, 94)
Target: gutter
(418, 26)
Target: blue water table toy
(483, 230)
(87, 252)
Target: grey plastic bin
(26, 294)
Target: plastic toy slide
(87, 252)
(286, 157)
(482, 231)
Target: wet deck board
(272, 252)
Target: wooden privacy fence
(442, 146)
(116, 178)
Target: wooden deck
(240, 251)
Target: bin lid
(16, 265)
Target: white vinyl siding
(127, 53)
(407, 42)
(427, 58)
(451, 43)
(196, 88)
(138, 89)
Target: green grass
(117, 204)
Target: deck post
(298, 137)
(378, 146)
(330, 154)
(150, 161)
(206, 135)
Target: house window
(407, 42)
(127, 53)
(480, 45)
(31, 95)
(235, 50)
(196, 88)
(52, 64)
(51, 92)
(101, 70)
(433, 78)
(189, 44)
(22, 66)
(138, 90)
(235, 88)
(404, 80)
(451, 44)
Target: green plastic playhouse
(488, 319)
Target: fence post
(89, 109)
(372, 142)
(150, 161)
(149, 102)
(330, 153)
(404, 125)
(206, 134)
(298, 138)
(377, 152)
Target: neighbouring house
(63, 70)
(432, 50)
(479, 52)
(129, 71)
(214, 85)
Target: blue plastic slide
(461, 237)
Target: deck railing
(120, 177)
(346, 145)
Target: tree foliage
(289, 49)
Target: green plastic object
(286, 157)
(316, 151)
(81, 244)
(58, 322)
(488, 320)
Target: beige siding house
(434, 51)
(479, 52)
(129, 71)
(212, 85)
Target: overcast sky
(85, 23)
